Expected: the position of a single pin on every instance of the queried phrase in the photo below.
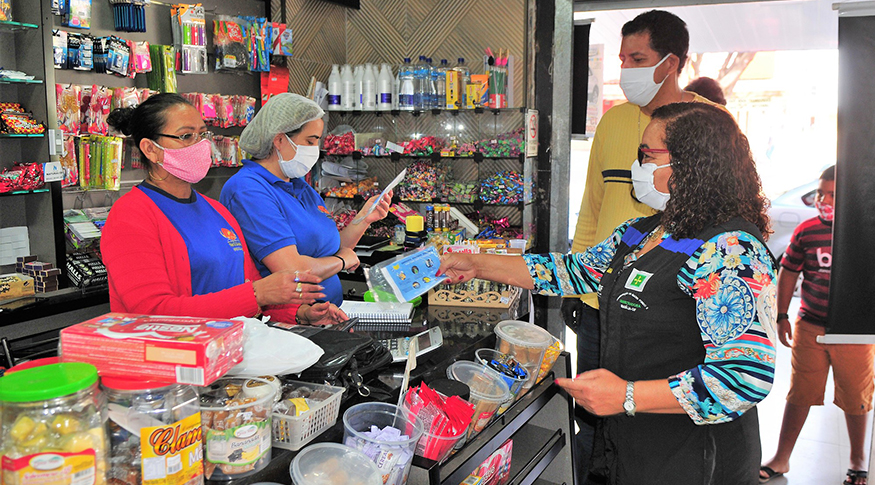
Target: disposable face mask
(304, 159)
(191, 163)
(645, 189)
(637, 83)
(827, 212)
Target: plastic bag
(270, 351)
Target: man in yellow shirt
(653, 53)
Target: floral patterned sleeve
(556, 274)
(732, 279)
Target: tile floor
(821, 453)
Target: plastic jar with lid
(154, 432)
(53, 427)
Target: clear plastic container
(153, 422)
(515, 384)
(550, 357)
(524, 342)
(488, 391)
(236, 417)
(53, 429)
(392, 456)
(433, 446)
(332, 463)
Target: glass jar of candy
(155, 432)
(53, 429)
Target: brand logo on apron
(637, 280)
(631, 302)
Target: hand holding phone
(345, 326)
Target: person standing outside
(810, 253)
(653, 53)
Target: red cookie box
(186, 350)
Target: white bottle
(347, 96)
(334, 89)
(358, 76)
(369, 88)
(384, 89)
(407, 90)
(396, 88)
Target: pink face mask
(827, 212)
(190, 163)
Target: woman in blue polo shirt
(283, 218)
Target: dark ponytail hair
(146, 120)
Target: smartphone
(345, 326)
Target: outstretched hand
(457, 267)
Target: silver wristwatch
(629, 403)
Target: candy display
(463, 192)
(488, 392)
(424, 146)
(371, 429)
(303, 411)
(14, 120)
(421, 182)
(343, 144)
(510, 144)
(444, 420)
(52, 414)
(27, 176)
(514, 374)
(151, 421)
(236, 427)
(122, 344)
(502, 188)
(550, 357)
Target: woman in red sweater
(169, 250)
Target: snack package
(496, 469)
(186, 350)
(230, 43)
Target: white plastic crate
(293, 432)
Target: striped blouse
(739, 343)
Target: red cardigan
(149, 272)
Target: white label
(394, 147)
(53, 172)
(154, 468)
(174, 464)
(189, 375)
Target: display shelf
(17, 135)
(5, 80)
(25, 192)
(419, 112)
(476, 157)
(9, 26)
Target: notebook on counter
(378, 312)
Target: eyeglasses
(649, 152)
(190, 138)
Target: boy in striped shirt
(810, 253)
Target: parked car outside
(787, 212)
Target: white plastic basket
(293, 432)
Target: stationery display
(188, 26)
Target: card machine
(426, 342)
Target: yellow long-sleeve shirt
(607, 199)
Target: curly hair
(714, 177)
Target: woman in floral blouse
(687, 301)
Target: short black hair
(668, 33)
(708, 89)
(829, 175)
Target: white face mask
(645, 189)
(304, 159)
(637, 83)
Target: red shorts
(852, 367)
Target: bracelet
(342, 262)
(783, 316)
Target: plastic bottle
(358, 75)
(420, 89)
(430, 84)
(440, 85)
(406, 90)
(334, 89)
(369, 88)
(396, 87)
(384, 89)
(347, 82)
(464, 79)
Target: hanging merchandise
(118, 57)
(189, 37)
(281, 39)
(98, 110)
(162, 77)
(124, 98)
(68, 99)
(59, 49)
(228, 38)
(69, 162)
(100, 162)
(142, 60)
(76, 13)
(6, 10)
(129, 15)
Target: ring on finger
(299, 288)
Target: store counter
(540, 423)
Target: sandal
(770, 474)
(853, 475)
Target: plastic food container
(153, 421)
(292, 432)
(53, 431)
(550, 357)
(393, 456)
(524, 342)
(485, 356)
(488, 391)
(431, 445)
(333, 464)
(236, 416)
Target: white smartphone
(426, 342)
